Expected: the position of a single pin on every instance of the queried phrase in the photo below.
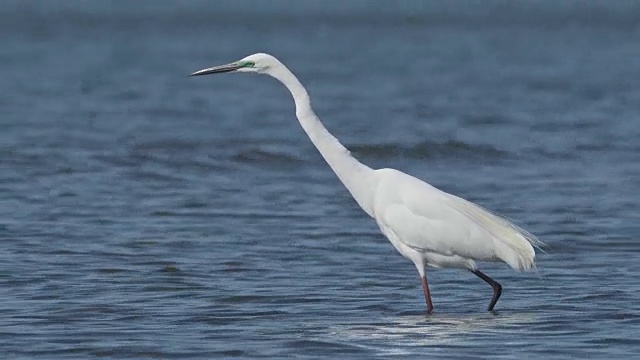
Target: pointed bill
(218, 69)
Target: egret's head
(257, 63)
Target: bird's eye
(248, 64)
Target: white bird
(426, 225)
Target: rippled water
(147, 214)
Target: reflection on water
(396, 335)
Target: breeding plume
(426, 225)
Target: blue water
(145, 214)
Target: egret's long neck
(357, 177)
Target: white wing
(515, 245)
(430, 220)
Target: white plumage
(426, 225)
(446, 230)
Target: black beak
(217, 69)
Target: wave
(451, 149)
(263, 156)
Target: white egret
(426, 225)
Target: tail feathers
(513, 245)
(521, 258)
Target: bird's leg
(427, 294)
(497, 288)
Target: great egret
(426, 225)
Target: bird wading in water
(426, 225)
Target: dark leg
(497, 288)
(427, 294)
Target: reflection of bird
(426, 225)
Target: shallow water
(147, 214)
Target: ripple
(326, 347)
(408, 332)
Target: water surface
(147, 214)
